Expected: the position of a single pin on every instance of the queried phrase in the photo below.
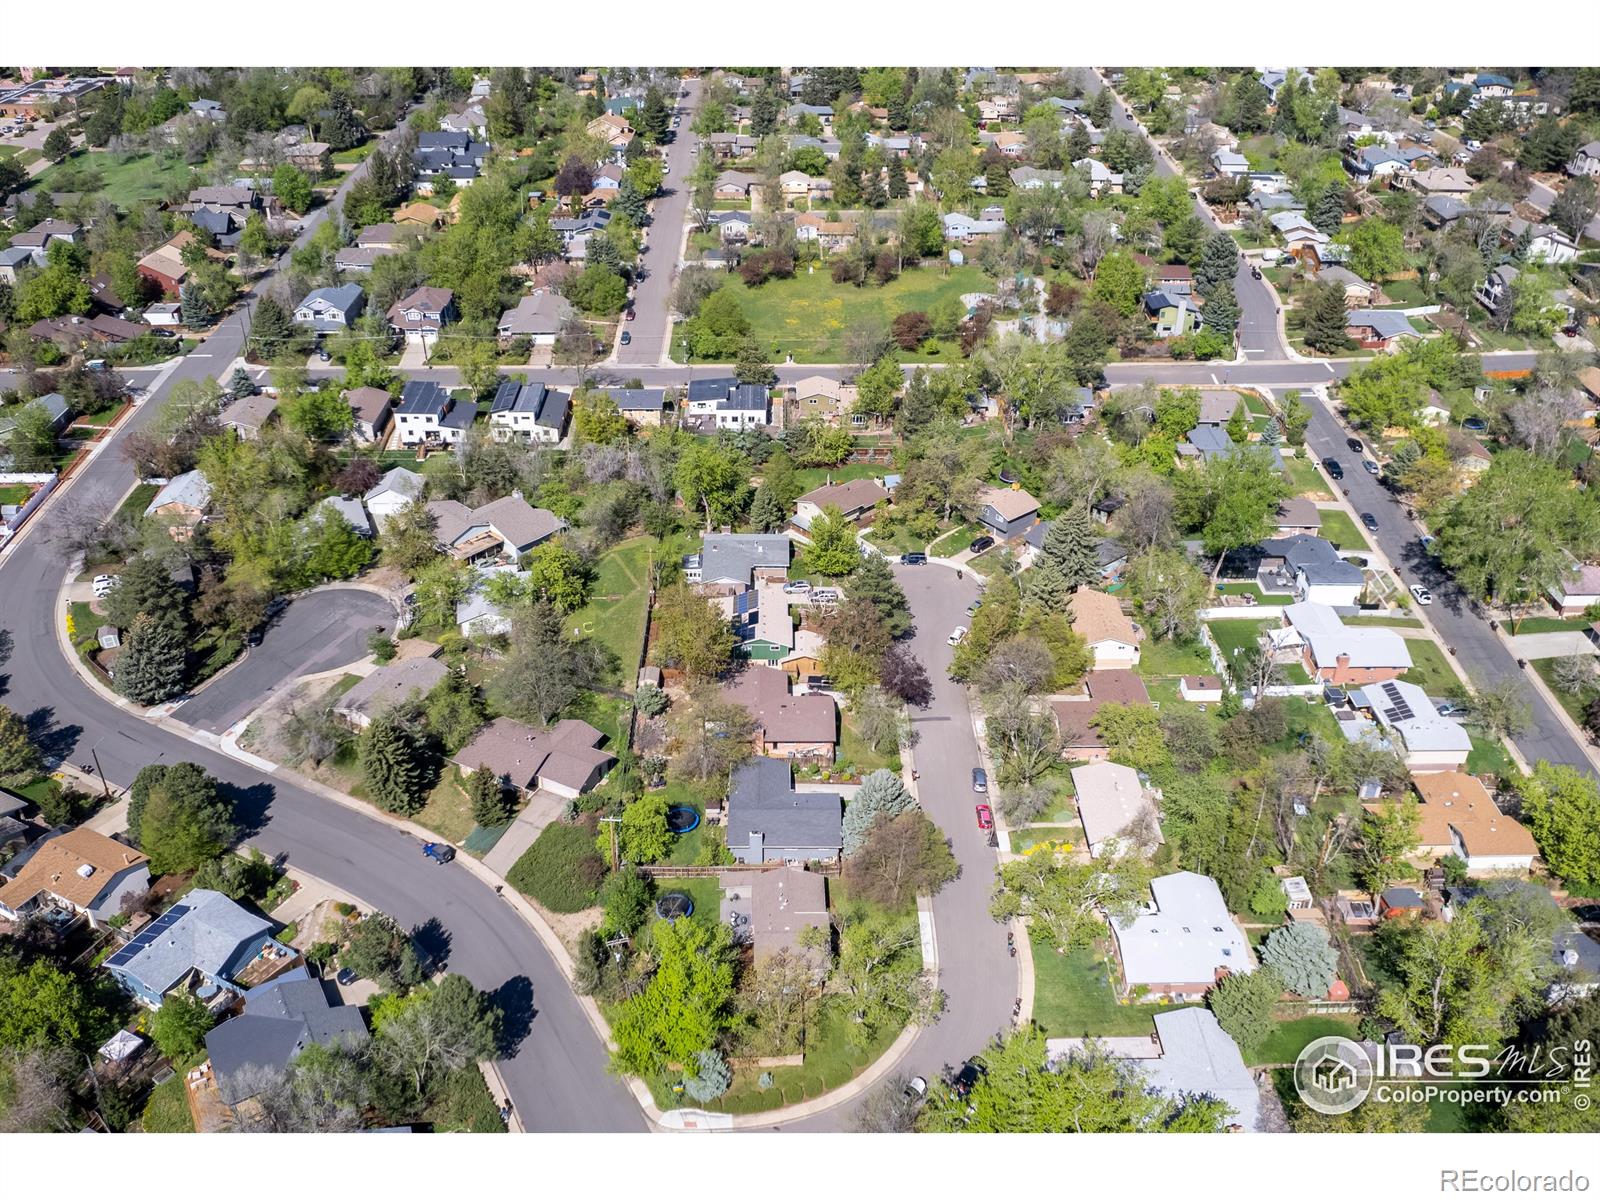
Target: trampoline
(682, 819)
(672, 905)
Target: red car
(985, 816)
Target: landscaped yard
(615, 614)
(954, 542)
(14, 493)
(855, 751)
(1024, 839)
(1547, 625)
(1235, 638)
(1340, 529)
(1172, 658)
(124, 178)
(1574, 704)
(1251, 589)
(1288, 1038)
(1305, 479)
(1385, 622)
(1073, 997)
(167, 1110)
(810, 315)
(1489, 757)
(1429, 670)
(448, 812)
(807, 478)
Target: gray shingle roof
(762, 800)
(735, 556)
(210, 934)
(280, 1019)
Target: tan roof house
(1112, 803)
(819, 396)
(787, 726)
(1099, 620)
(855, 498)
(564, 759)
(784, 904)
(80, 871)
(1460, 817)
(395, 683)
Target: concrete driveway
(1552, 645)
(319, 631)
(530, 823)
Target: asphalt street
(652, 298)
(978, 975)
(1542, 197)
(1481, 652)
(317, 632)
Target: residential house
(204, 942)
(1230, 163)
(505, 528)
(1111, 555)
(528, 412)
(280, 1019)
(1458, 816)
(823, 113)
(732, 226)
(959, 227)
(477, 615)
(1298, 516)
(539, 317)
(725, 403)
(1378, 162)
(1357, 291)
(1308, 568)
(1075, 716)
(420, 316)
(1585, 160)
(387, 235)
(13, 259)
(397, 489)
(456, 156)
(1102, 179)
(370, 407)
(1183, 942)
(1442, 181)
(1114, 804)
(734, 185)
(855, 499)
(612, 129)
(37, 239)
(639, 406)
(732, 562)
(79, 873)
(1495, 292)
(1378, 328)
(565, 759)
(471, 120)
(163, 316)
(390, 685)
(358, 260)
(1473, 457)
(1112, 638)
(1336, 653)
(343, 508)
(1578, 591)
(784, 904)
(53, 405)
(787, 726)
(248, 415)
(1006, 512)
(181, 503)
(1217, 408)
(331, 309)
(1427, 740)
(164, 266)
(72, 333)
(575, 232)
(819, 396)
(421, 413)
(1546, 243)
(769, 821)
(798, 185)
(732, 145)
(1171, 316)
(1031, 179)
(1175, 279)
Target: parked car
(956, 634)
(1370, 467)
(1333, 467)
(103, 585)
(1449, 708)
(985, 816)
(439, 852)
(629, 315)
(627, 338)
(980, 780)
(797, 587)
(1422, 594)
(965, 1079)
(914, 559)
(1370, 521)
(980, 544)
(825, 595)
(972, 609)
(1426, 541)
(916, 1089)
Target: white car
(956, 634)
(797, 587)
(1421, 594)
(103, 584)
(825, 595)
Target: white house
(727, 403)
(1428, 741)
(1111, 637)
(1585, 161)
(1113, 804)
(1183, 942)
(527, 412)
(394, 491)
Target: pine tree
(763, 113)
(491, 806)
(1272, 435)
(1218, 261)
(195, 310)
(1072, 547)
(151, 666)
(1326, 211)
(271, 327)
(881, 794)
(391, 765)
(1044, 586)
(19, 757)
(652, 118)
(767, 512)
(899, 187)
(1222, 310)
(1325, 319)
(241, 384)
(875, 583)
(631, 204)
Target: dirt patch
(324, 923)
(570, 927)
(264, 734)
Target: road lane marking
(1213, 377)
(1329, 365)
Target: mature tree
(834, 550)
(1064, 898)
(690, 634)
(1219, 261)
(1023, 1091)
(1303, 958)
(1071, 546)
(687, 1003)
(1388, 837)
(394, 764)
(1243, 1004)
(43, 1005)
(541, 677)
(878, 977)
(1574, 208)
(1222, 312)
(713, 480)
(180, 1025)
(1168, 592)
(36, 1087)
(644, 834)
(874, 582)
(408, 538)
(19, 757)
(905, 676)
(1325, 318)
(1513, 534)
(491, 802)
(882, 794)
(710, 736)
(1562, 809)
(145, 586)
(437, 1030)
(900, 857)
(1233, 501)
(271, 327)
(857, 639)
(178, 817)
(378, 949)
(1500, 709)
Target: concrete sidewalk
(542, 809)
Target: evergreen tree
(631, 204)
(19, 757)
(1272, 435)
(391, 764)
(151, 666)
(763, 113)
(899, 186)
(271, 328)
(195, 310)
(899, 111)
(1044, 586)
(1222, 310)
(652, 118)
(881, 794)
(1218, 261)
(1325, 319)
(767, 510)
(875, 583)
(1326, 210)
(240, 383)
(491, 804)
(1073, 548)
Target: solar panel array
(1398, 709)
(147, 935)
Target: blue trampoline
(672, 905)
(682, 819)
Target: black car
(980, 544)
(1355, 445)
(913, 559)
(1332, 467)
(964, 1080)
(1370, 521)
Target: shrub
(561, 869)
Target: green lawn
(1489, 757)
(854, 751)
(15, 493)
(122, 178)
(1340, 529)
(1386, 622)
(1172, 658)
(809, 315)
(1073, 997)
(353, 155)
(1251, 589)
(448, 812)
(686, 847)
(1429, 670)
(954, 542)
(138, 499)
(1237, 637)
(896, 540)
(807, 478)
(167, 1110)
(1288, 1038)
(1305, 479)
(1029, 836)
(615, 614)
(1405, 292)
(1548, 625)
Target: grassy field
(1306, 479)
(810, 315)
(1236, 637)
(685, 847)
(1073, 997)
(1288, 1038)
(167, 1110)
(1340, 529)
(1429, 670)
(448, 812)
(1574, 704)
(1170, 658)
(15, 493)
(954, 542)
(123, 178)
(615, 614)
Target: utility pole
(104, 786)
(616, 860)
